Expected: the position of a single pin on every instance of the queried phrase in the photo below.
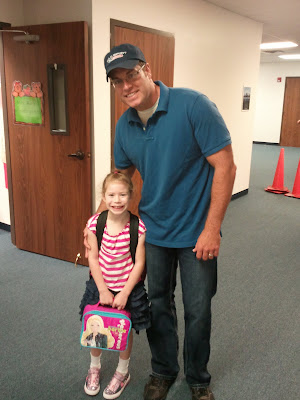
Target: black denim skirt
(137, 303)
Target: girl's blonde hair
(117, 176)
(89, 322)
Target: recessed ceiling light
(277, 45)
(290, 56)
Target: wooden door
(158, 48)
(51, 190)
(290, 130)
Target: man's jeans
(199, 283)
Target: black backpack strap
(134, 231)
(134, 234)
(100, 226)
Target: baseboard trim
(5, 227)
(239, 194)
(270, 143)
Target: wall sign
(27, 101)
(246, 98)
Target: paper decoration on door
(28, 104)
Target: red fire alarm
(278, 79)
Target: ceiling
(280, 18)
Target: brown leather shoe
(201, 393)
(157, 388)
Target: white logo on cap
(115, 56)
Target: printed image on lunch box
(105, 328)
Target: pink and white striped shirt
(114, 255)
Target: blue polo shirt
(170, 154)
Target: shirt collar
(162, 104)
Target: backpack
(134, 230)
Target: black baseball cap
(125, 55)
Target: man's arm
(221, 191)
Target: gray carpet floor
(255, 335)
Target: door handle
(79, 154)
(77, 258)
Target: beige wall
(216, 52)
(54, 11)
(270, 99)
(11, 11)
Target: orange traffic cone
(296, 188)
(277, 186)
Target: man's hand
(86, 243)
(208, 245)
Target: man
(179, 143)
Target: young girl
(115, 280)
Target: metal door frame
(4, 25)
